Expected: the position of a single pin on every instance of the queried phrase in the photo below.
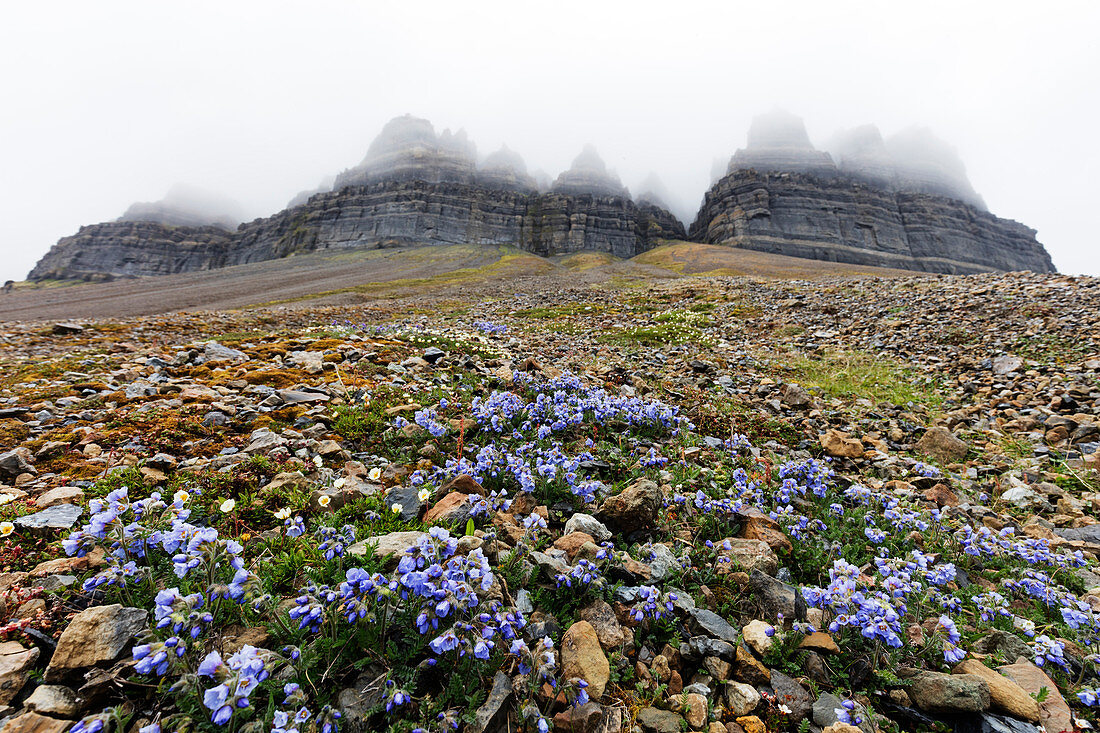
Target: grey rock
(16, 461)
(1003, 644)
(699, 647)
(492, 713)
(581, 522)
(406, 497)
(824, 712)
(655, 720)
(213, 351)
(55, 700)
(935, 692)
(773, 597)
(990, 723)
(714, 625)
(792, 694)
(57, 517)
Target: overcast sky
(107, 103)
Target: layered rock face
(413, 187)
(840, 219)
(903, 203)
(133, 249)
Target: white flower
(181, 496)
(375, 474)
(423, 494)
(6, 528)
(784, 709)
(283, 513)
(324, 500)
(318, 461)
(228, 505)
(339, 483)
(396, 507)
(5, 498)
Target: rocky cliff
(413, 187)
(904, 202)
(134, 249)
(841, 219)
(901, 202)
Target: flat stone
(95, 635)
(655, 720)
(213, 351)
(714, 625)
(820, 642)
(34, 723)
(56, 517)
(295, 397)
(60, 495)
(394, 544)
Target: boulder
(583, 658)
(16, 663)
(840, 445)
(32, 722)
(1054, 712)
(636, 507)
(1005, 695)
(95, 635)
(941, 444)
(935, 692)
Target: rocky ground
(714, 503)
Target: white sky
(107, 103)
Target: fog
(108, 104)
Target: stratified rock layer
(133, 249)
(413, 187)
(841, 219)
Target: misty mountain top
(186, 205)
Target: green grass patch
(854, 374)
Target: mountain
(904, 202)
(901, 202)
(413, 186)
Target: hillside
(468, 498)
